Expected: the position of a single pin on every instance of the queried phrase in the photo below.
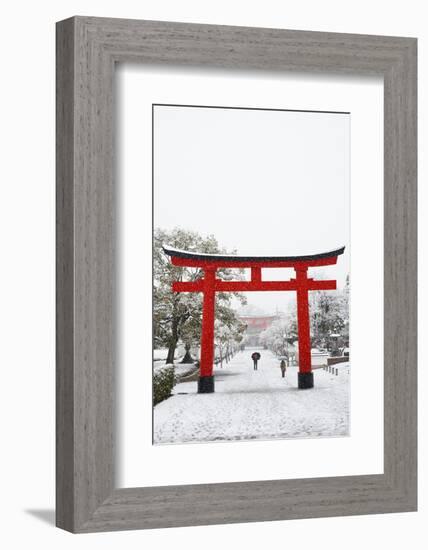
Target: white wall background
(27, 271)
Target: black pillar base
(305, 380)
(206, 384)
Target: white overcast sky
(262, 182)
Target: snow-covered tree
(281, 333)
(178, 316)
(227, 335)
(329, 314)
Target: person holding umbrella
(255, 357)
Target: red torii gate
(209, 285)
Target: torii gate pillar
(305, 375)
(206, 378)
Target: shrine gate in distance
(210, 284)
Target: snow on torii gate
(209, 285)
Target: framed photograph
(236, 274)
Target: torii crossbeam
(209, 285)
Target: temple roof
(185, 254)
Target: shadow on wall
(43, 514)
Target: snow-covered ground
(184, 369)
(250, 404)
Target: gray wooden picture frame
(87, 50)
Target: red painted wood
(249, 286)
(209, 285)
(303, 324)
(208, 316)
(189, 262)
(271, 286)
(256, 274)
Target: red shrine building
(256, 324)
(209, 284)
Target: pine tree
(178, 316)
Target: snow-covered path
(250, 404)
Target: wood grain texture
(87, 49)
(64, 278)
